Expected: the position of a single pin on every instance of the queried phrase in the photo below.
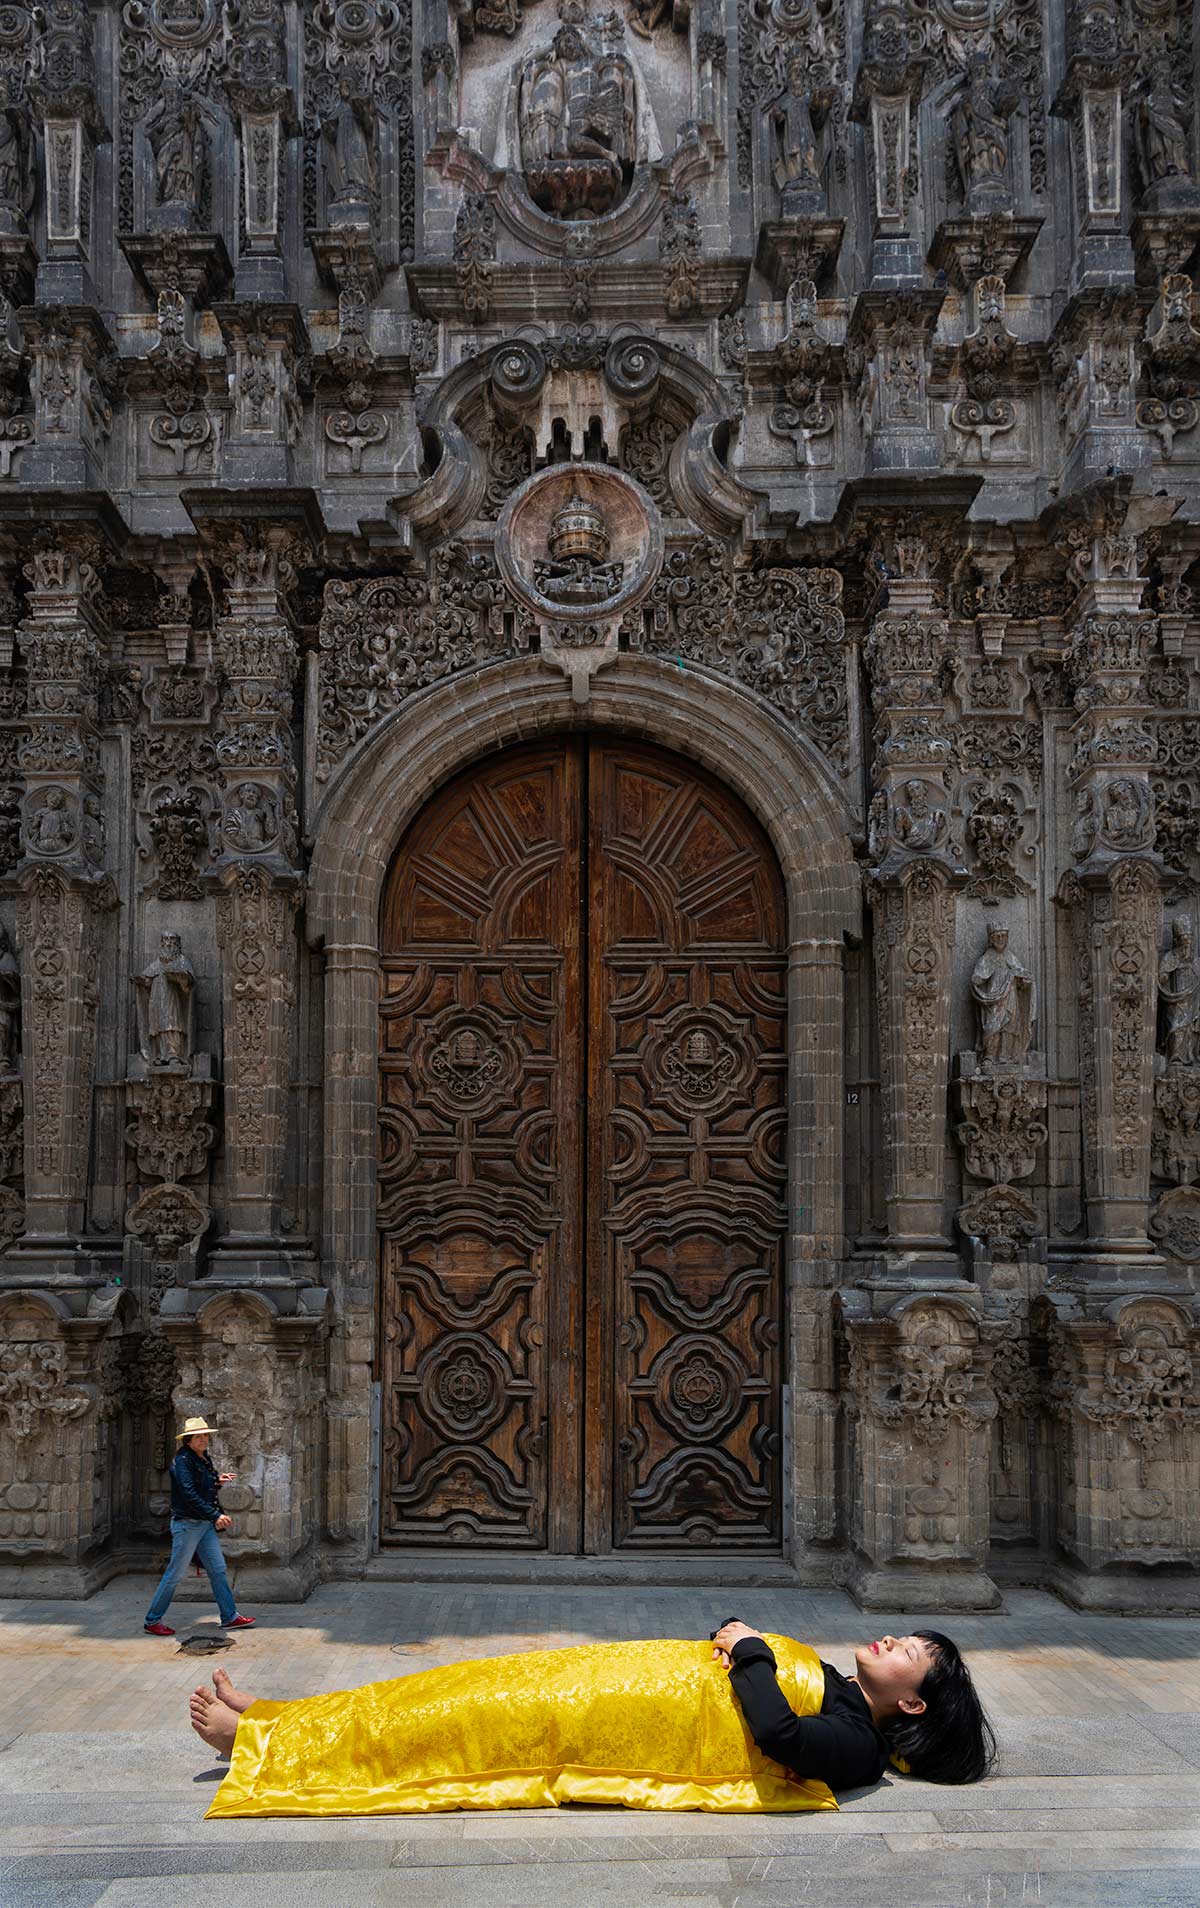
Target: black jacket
(194, 1486)
(841, 1746)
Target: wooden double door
(582, 1161)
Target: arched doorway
(582, 1160)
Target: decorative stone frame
(786, 784)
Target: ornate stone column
(887, 92)
(258, 886)
(1114, 891)
(64, 99)
(62, 894)
(887, 355)
(257, 87)
(914, 871)
(1100, 65)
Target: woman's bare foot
(213, 1722)
(235, 1699)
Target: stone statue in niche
(1162, 146)
(1003, 993)
(180, 146)
(794, 143)
(918, 823)
(10, 1004)
(348, 145)
(165, 995)
(979, 128)
(17, 180)
(252, 823)
(52, 829)
(579, 570)
(1179, 993)
(1127, 813)
(577, 117)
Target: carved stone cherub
(165, 994)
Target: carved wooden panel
(582, 1114)
(479, 1160)
(688, 1125)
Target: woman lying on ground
(644, 1725)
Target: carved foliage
(169, 1129)
(382, 641)
(778, 631)
(1002, 1127)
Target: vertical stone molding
(921, 1418)
(64, 98)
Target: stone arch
(786, 784)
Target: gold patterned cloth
(641, 1725)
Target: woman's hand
(730, 1634)
(223, 1523)
(226, 1477)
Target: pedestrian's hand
(726, 1637)
(226, 1477)
(223, 1523)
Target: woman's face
(199, 1444)
(891, 1671)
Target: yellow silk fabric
(642, 1725)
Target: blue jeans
(192, 1537)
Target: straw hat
(193, 1428)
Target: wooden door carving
(582, 1160)
(688, 1129)
(479, 1160)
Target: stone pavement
(103, 1786)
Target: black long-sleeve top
(841, 1746)
(194, 1486)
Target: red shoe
(240, 1623)
(157, 1629)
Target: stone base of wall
(909, 1587)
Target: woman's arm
(828, 1749)
(182, 1470)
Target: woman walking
(196, 1517)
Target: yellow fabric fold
(641, 1725)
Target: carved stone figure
(10, 1004)
(17, 180)
(979, 127)
(52, 829)
(918, 822)
(251, 824)
(579, 570)
(577, 118)
(180, 147)
(165, 1007)
(1003, 992)
(794, 138)
(1127, 813)
(1179, 993)
(348, 143)
(1162, 145)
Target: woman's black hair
(951, 1740)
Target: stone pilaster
(887, 352)
(1115, 892)
(887, 94)
(921, 1417)
(62, 893)
(1122, 1391)
(912, 889)
(64, 100)
(1092, 97)
(266, 109)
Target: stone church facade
(600, 790)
